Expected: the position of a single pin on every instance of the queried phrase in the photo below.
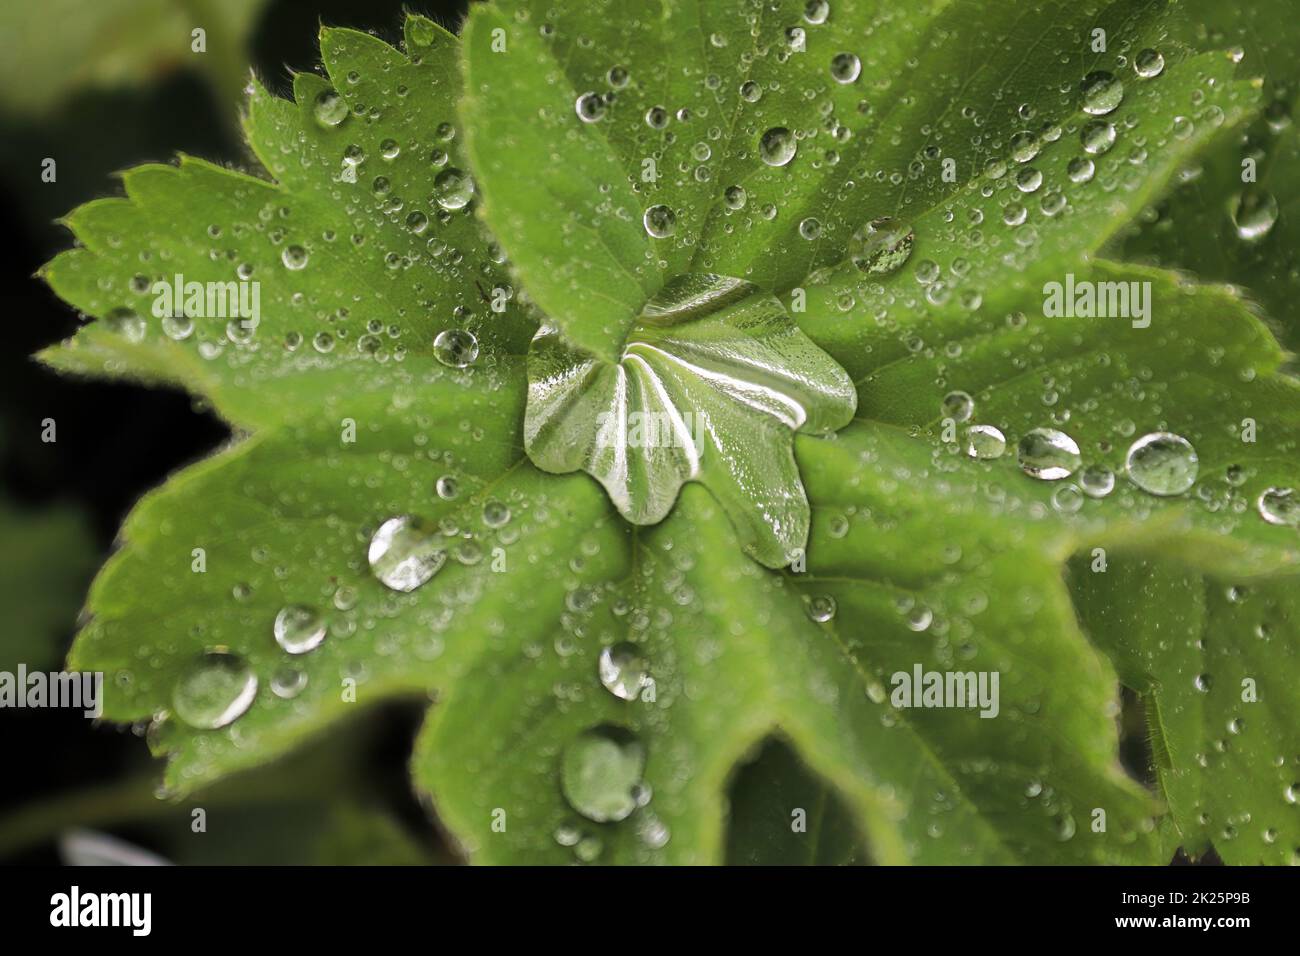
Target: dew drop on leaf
(1254, 213)
(453, 189)
(777, 146)
(1097, 481)
(600, 773)
(622, 670)
(1048, 454)
(821, 608)
(215, 690)
(1149, 64)
(288, 682)
(329, 109)
(294, 257)
(298, 628)
(845, 67)
(1101, 93)
(1097, 137)
(985, 441)
(1279, 506)
(958, 406)
(1162, 463)
(590, 107)
(882, 246)
(455, 348)
(405, 552)
(126, 323)
(660, 221)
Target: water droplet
(329, 108)
(600, 771)
(446, 487)
(656, 117)
(985, 441)
(495, 514)
(617, 77)
(1254, 213)
(453, 189)
(1149, 64)
(288, 682)
(216, 689)
(622, 670)
(735, 197)
(816, 11)
(294, 257)
(958, 406)
(1162, 463)
(590, 107)
(660, 221)
(1081, 169)
(1097, 137)
(1279, 506)
(1097, 481)
(821, 608)
(1067, 499)
(406, 552)
(882, 246)
(1203, 683)
(777, 146)
(845, 67)
(810, 228)
(1100, 93)
(126, 323)
(456, 348)
(1048, 454)
(298, 628)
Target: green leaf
(1218, 223)
(597, 682)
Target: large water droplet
(453, 188)
(1254, 213)
(985, 441)
(406, 552)
(1279, 506)
(216, 689)
(777, 146)
(660, 221)
(298, 628)
(882, 246)
(1048, 454)
(1149, 63)
(1097, 137)
(845, 67)
(622, 670)
(329, 108)
(1100, 93)
(600, 773)
(1162, 463)
(456, 348)
(590, 107)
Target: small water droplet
(294, 257)
(288, 682)
(821, 608)
(958, 406)
(1097, 481)
(1162, 463)
(1097, 137)
(126, 323)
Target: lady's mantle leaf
(713, 380)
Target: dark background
(117, 441)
